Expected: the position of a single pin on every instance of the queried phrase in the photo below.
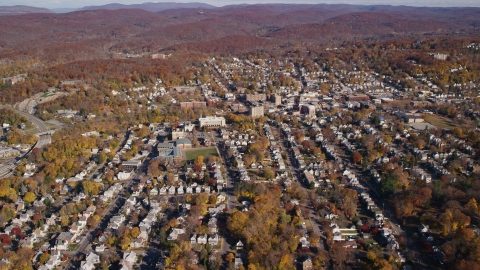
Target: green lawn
(72, 247)
(192, 154)
(48, 95)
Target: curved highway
(44, 138)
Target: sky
(82, 3)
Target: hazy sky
(82, 3)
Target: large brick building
(193, 105)
(358, 97)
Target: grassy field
(48, 95)
(438, 121)
(31, 131)
(192, 154)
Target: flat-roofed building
(256, 111)
(308, 110)
(185, 89)
(212, 121)
(358, 97)
(277, 99)
(255, 97)
(193, 105)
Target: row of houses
(65, 239)
(275, 151)
(146, 225)
(180, 190)
(204, 239)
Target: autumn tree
(125, 243)
(236, 223)
(268, 174)
(212, 199)
(472, 206)
(199, 160)
(29, 197)
(171, 179)
(44, 258)
(357, 157)
(154, 168)
(135, 232)
(64, 220)
(230, 256)
(93, 221)
(201, 199)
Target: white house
(202, 239)
(128, 260)
(213, 239)
(90, 261)
(124, 176)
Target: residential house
(54, 261)
(202, 239)
(213, 239)
(307, 264)
(423, 228)
(175, 233)
(116, 221)
(153, 192)
(350, 244)
(238, 262)
(63, 240)
(100, 248)
(221, 197)
(193, 239)
(137, 243)
(128, 260)
(304, 243)
(90, 261)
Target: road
(44, 138)
(295, 175)
(316, 229)
(231, 198)
(38, 123)
(113, 207)
(387, 211)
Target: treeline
(269, 231)
(9, 116)
(67, 154)
(104, 74)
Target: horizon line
(240, 4)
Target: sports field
(192, 154)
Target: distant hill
(153, 7)
(116, 30)
(63, 10)
(20, 10)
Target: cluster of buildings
(15, 79)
